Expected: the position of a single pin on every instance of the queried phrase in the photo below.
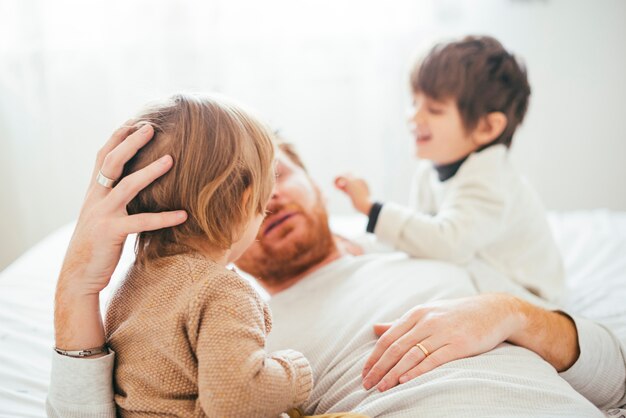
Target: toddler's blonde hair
(219, 150)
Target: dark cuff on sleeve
(373, 216)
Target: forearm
(550, 334)
(272, 383)
(587, 355)
(236, 375)
(289, 372)
(79, 387)
(77, 319)
(443, 237)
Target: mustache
(274, 208)
(275, 215)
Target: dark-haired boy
(469, 202)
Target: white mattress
(593, 246)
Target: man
(325, 304)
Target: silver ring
(104, 180)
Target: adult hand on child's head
(103, 223)
(357, 190)
(101, 230)
(446, 330)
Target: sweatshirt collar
(447, 171)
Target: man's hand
(455, 329)
(99, 236)
(357, 191)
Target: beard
(277, 262)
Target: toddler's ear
(246, 196)
(490, 127)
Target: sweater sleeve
(81, 387)
(469, 218)
(236, 376)
(599, 374)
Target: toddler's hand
(357, 190)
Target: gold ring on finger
(424, 350)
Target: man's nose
(274, 203)
(274, 194)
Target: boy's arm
(470, 217)
(236, 376)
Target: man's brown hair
(481, 76)
(289, 150)
(220, 152)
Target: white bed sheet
(593, 244)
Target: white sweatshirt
(485, 211)
(329, 315)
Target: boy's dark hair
(481, 75)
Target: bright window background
(331, 75)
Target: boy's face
(438, 130)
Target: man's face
(295, 235)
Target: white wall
(331, 75)
(573, 144)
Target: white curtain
(331, 75)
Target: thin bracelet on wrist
(104, 349)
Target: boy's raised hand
(357, 191)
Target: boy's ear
(490, 127)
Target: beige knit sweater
(190, 341)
